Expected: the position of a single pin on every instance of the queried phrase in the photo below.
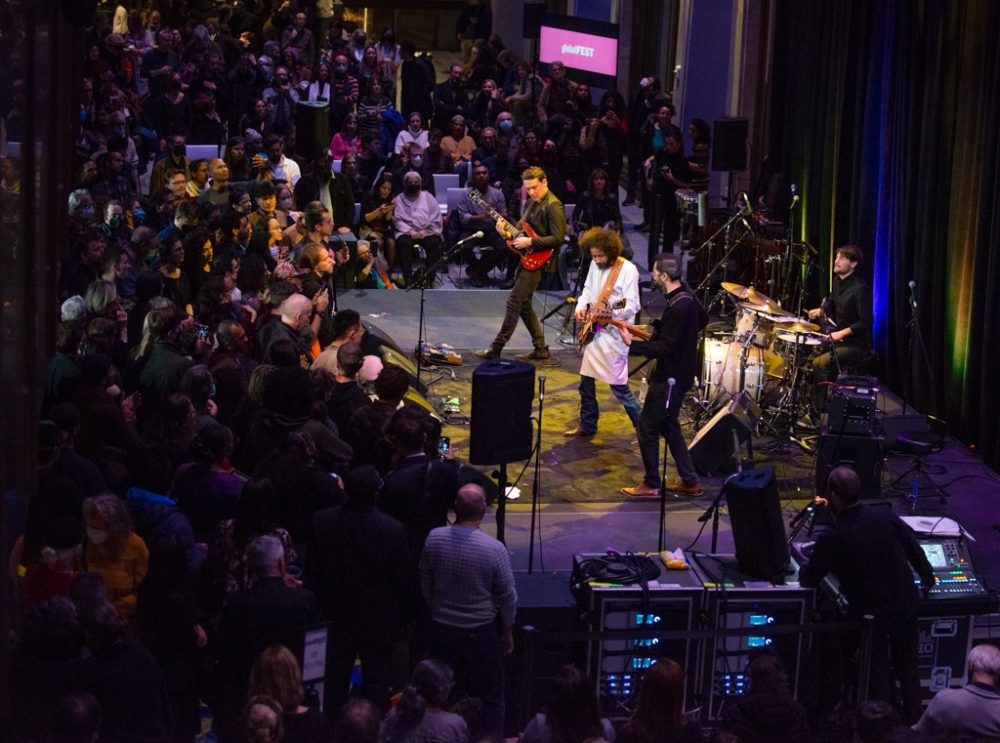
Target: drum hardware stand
(570, 317)
(789, 404)
(726, 227)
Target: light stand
(916, 342)
(536, 485)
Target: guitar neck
(500, 218)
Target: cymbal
(770, 308)
(751, 295)
(799, 326)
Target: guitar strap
(609, 282)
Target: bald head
(296, 311)
(470, 504)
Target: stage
(580, 509)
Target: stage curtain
(886, 115)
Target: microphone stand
(789, 250)
(730, 247)
(916, 341)
(663, 472)
(421, 283)
(536, 485)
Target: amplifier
(852, 411)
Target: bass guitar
(531, 260)
(593, 318)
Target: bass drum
(721, 368)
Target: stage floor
(580, 508)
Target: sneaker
(679, 486)
(488, 353)
(539, 354)
(642, 491)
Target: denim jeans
(588, 403)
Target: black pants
(405, 248)
(664, 221)
(492, 252)
(519, 306)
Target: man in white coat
(612, 286)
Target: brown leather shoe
(679, 486)
(539, 354)
(577, 431)
(488, 353)
(642, 491)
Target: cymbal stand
(726, 227)
(789, 403)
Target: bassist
(612, 286)
(545, 216)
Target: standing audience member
(114, 551)
(659, 709)
(767, 713)
(467, 581)
(972, 712)
(278, 674)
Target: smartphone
(201, 330)
(262, 155)
(444, 445)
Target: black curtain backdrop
(886, 115)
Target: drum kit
(767, 352)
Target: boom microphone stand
(663, 473)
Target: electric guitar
(587, 329)
(531, 260)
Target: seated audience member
(414, 132)
(875, 721)
(418, 222)
(491, 246)
(277, 674)
(359, 722)
(419, 714)
(457, 143)
(972, 712)
(356, 567)
(372, 271)
(767, 712)
(659, 709)
(572, 712)
(377, 211)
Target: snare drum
(721, 369)
(748, 321)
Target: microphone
(541, 387)
(795, 194)
(670, 390)
(913, 293)
(474, 236)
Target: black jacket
(674, 344)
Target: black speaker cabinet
(714, 446)
(501, 412)
(758, 530)
(729, 143)
(863, 454)
(312, 129)
(377, 342)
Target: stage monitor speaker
(377, 342)
(729, 143)
(312, 129)
(863, 454)
(713, 447)
(755, 516)
(501, 412)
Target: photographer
(667, 171)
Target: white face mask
(97, 536)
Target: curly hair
(112, 512)
(607, 241)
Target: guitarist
(544, 214)
(612, 285)
(675, 348)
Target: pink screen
(579, 51)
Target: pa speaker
(501, 412)
(863, 454)
(729, 143)
(312, 129)
(718, 442)
(758, 530)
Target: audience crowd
(224, 460)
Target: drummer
(846, 315)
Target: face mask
(178, 150)
(417, 161)
(412, 189)
(97, 536)
(340, 70)
(115, 220)
(87, 212)
(138, 216)
(506, 125)
(118, 130)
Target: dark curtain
(886, 114)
